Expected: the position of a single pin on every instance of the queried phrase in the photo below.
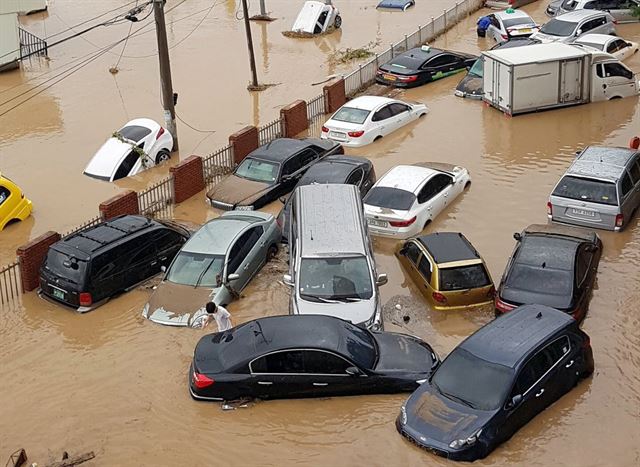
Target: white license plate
(57, 293)
(583, 212)
(377, 223)
(524, 31)
(337, 135)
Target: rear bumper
(399, 84)
(401, 233)
(79, 309)
(349, 143)
(471, 307)
(592, 225)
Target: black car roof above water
(332, 169)
(508, 339)
(281, 149)
(446, 247)
(415, 57)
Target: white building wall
(9, 39)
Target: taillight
(619, 220)
(505, 36)
(160, 133)
(325, 129)
(501, 306)
(379, 72)
(85, 299)
(402, 223)
(408, 79)
(549, 208)
(356, 134)
(201, 381)
(438, 297)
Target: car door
(356, 178)
(245, 257)
(325, 374)
(583, 261)
(169, 244)
(402, 114)
(278, 374)
(616, 80)
(410, 253)
(628, 196)
(443, 65)
(618, 48)
(143, 260)
(440, 190)
(381, 121)
(128, 166)
(493, 31)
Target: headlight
(244, 208)
(459, 443)
(403, 415)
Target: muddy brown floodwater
(111, 382)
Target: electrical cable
(193, 128)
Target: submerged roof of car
(330, 220)
(545, 52)
(332, 169)
(281, 149)
(406, 177)
(578, 15)
(368, 102)
(511, 13)
(601, 162)
(447, 247)
(600, 39)
(511, 337)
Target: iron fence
(217, 164)
(10, 283)
(156, 200)
(270, 131)
(31, 44)
(315, 107)
(90, 223)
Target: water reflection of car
(306, 356)
(349, 170)
(509, 24)
(366, 119)
(615, 46)
(13, 204)
(495, 381)
(135, 147)
(269, 172)
(551, 265)
(422, 65)
(408, 197)
(448, 270)
(568, 27)
(216, 264)
(621, 10)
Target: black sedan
(332, 169)
(551, 265)
(497, 380)
(306, 356)
(422, 65)
(269, 172)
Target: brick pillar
(188, 178)
(31, 255)
(294, 118)
(243, 142)
(123, 203)
(335, 96)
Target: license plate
(389, 77)
(524, 31)
(377, 223)
(583, 212)
(57, 293)
(338, 135)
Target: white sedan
(613, 45)
(510, 23)
(408, 197)
(366, 119)
(140, 144)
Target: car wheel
(377, 138)
(163, 156)
(422, 115)
(272, 252)
(426, 224)
(338, 22)
(467, 185)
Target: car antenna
(539, 315)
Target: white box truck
(545, 76)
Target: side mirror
(233, 277)
(382, 279)
(578, 32)
(517, 236)
(288, 280)
(163, 268)
(515, 401)
(353, 371)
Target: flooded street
(112, 382)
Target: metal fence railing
(90, 223)
(270, 131)
(217, 164)
(10, 283)
(315, 107)
(31, 44)
(157, 199)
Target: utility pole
(165, 72)
(252, 59)
(263, 9)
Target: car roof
(145, 122)
(280, 149)
(406, 177)
(368, 102)
(600, 39)
(332, 169)
(215, 237)
(422, 54)
(544, 52)
(330, 220)
(601, 162)
(562, 230)
(512, 14)
(518, 41)
(578, 15)
(447, 247)
(510, 338)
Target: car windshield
(258, 170)
(475, 382)
(351, 115)
(345, 279)
(464, 277)
(476, 69)
(66, 266)
(391, 198)
(134, 132)
(557, 27)
(519, 21)
(591, 44)
(196, 269)
(585, 189)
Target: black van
(85, 269)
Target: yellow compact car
(449, 271)
(13, 205)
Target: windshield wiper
(202, 274)
(315, 298)
(346, 299)
(459, 399)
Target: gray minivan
(569, 26)
(331, 266)
(601, 189)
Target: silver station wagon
(601, 189)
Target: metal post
(360, 75)
(445, 20)
(165, 72)
(263, 8)
(391, 47)
(252, 58)
(433, 29)
(457, 11)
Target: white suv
(568, 27)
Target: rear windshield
(258, 170)
(134, 132)
(62, 265)
(465, 277)
(569, 5)
(586, 189)
(556, 27)
(391, 198)
(351, 115)
(196, 269)
(516, 21)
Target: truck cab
(611, 79)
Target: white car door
(401, 115)
(616, 80)
(431, 198)
(619, 49)
(381, 122)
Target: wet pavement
(114, 383)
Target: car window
(434, 186)
(167, 239)
(389, 197)
(532, 371)
(351, 115)
(635, 172)
(4, 194)
(382, 114)
(66, 266)
(585, 189)
(126, 165)
(134, 132)
(145, 251)
(616, 45)
(441, 60)
(558, 27)
(291, 361)
(324, 363)
(626, 185)
(196, 269)
(463, 277)
(412, 252)
(425, 268)
(617, 69)
(241, 248)
(583, 261)
(571, 5)
(307, 156)
(292, 166)
(356, 177)
(339, 278)
(558, 349)
(397, 109)
(587, 6)
(257, 170)
(102, 266)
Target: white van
(316, 18)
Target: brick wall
(243, 142)
(188, 178)
(123, 203)
(31, 255)
(334, 95)
(294, 118)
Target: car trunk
(467, 284)
(60, 283)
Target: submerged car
(402, 5)
(13, 204)
(495, 381)
(137, 146)
(568, 27)
(448, 270)
(509, 24)
(349, 170)
(621, 10)
(216, 264)
(306, 356)
(422, 65)
(551, 265)
(615, 46)
(408, 197)
(316, 18)
(366, 119)
(269, 172)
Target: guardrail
(270, 131)
(217, 164)
(157, 200)
(10, 285)
(90, 223)
(31, 44)
(315, 108)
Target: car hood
(519, 296)
(470, 86)
(177, 304)
(404, 353)
(234, 190)
(434, 417)
(355, 312)
(104, 162)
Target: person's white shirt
(223, 319)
